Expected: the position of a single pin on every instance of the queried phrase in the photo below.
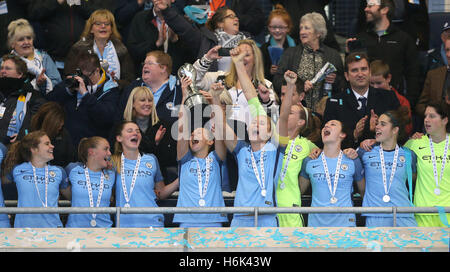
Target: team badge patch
(149, 165)
(298, 148)
(52, 174)
(344, 167)
(402, 159)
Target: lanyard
(202, 192)
(437, 191)
(386, 197)
(261, 179)
(46, 185)
(133, 180)
(333, 199)
(89, 187)
(286, 163)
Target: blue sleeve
(50, 69)
(303, 172)
(187, 157)
(158, 175)
(64, 180)
(414, 162)
(359, 170)
(217, 158)
(70, 167)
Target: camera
(73, 84)
(224, 52)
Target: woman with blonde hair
(100, 35)
(141, 109)
(20, 40)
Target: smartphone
(224, 52)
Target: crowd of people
(95, 110)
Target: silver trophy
(195, 102)
(194, 97)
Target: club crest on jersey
(298, 148)
(52, 174)
(106, 176)
(149, 165)
(344, 167)
(401, 158)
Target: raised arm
(183, 122)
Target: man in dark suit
(360, 105)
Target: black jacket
(344, 107)
(8, 99)
(397, 49)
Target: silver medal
(282, 186)
(437, 191)
(386, 198)
(127, 205)
(263, 193)
(333, 200)
(93, 223)
(201, 202)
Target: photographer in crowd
(89, 97)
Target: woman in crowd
(200, 171)
(38, 183)
(20, 39)
(100, 35)
(279, 25)
(92, 183)
(433, 171)
(331, 177)
(141, 110)
(309, 57)
(139, 182)
(50, 118)
(19, 100)
(392, 162)
(221, 29)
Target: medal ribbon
(89, 187)
(133, 180)
(383, 168)
(336, 173)
(46, 185)
(201, 192)
(284, 170)
(262, 179)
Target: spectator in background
(148, 31)
(380, 78)
(298, 8)
(19, 100)
(382, 40)
(50, 118)
(156, 75)
(279, 25)
(62, 23)
(436, 84)
(221, 29)
(436, 57)
(10, 10)
(308, 58)
(89, 99)
(100, 35)
(124, 13)
(40, 64)
(360, 105)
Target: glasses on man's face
(102, 23)
(278, 27)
